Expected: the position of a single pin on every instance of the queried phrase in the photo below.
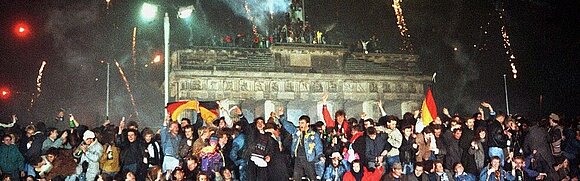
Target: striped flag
(209, 109)
(428, 109)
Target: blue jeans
(497, 151)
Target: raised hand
(446, 111)
(324, 98)
(280, 110)
(238, 111)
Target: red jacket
(331, 123)
(367, 175)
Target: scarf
(358, 176)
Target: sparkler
(407, 46)
(128, 88)
(38, 85)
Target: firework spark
(507, 44)
(407, 46)
(128, 88)
(38, 85)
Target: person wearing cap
(555, 131)
(396, 173)
(335, 171)
(211, 159)
(306, 146)
(88, 153)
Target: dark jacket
(131, 152)
(376, 146)
(11, 159)
(496, 136)
(407, 152)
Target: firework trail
(507, 45)
(134, 52)
(128, 88)
(407, 46)
(38, 85)
(250, 17)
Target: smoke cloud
(258, 12)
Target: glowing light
(38, 85)
(128, 87)
(21, 29)
(455, 49)
(157, 59)
(407, 46)
(185, 12)
(149, 11)
(5, 93)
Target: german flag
(428, 109)
(209, 109)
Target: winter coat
(423, 146)
(333, 124)
(496, 137)
(312, 142)
(91, 156)
(395, 139)
(536, 139)
(330, 171)
(375, 147)
(109, 162)
(63, 164)
(367, 175)
(407, 152)
(57, 143)
(478, 154)
(467, 159)
(485, 176)
(11, 160)
(454, 152)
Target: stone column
(410, 106)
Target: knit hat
(554, 117)
(88, 134)
(213, 139)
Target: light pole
(166, 63)
(108, 97)
(149, 12)
(507, 103)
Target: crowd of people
(487, 146)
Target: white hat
(555, 117)
(88, 134)
(336, 155)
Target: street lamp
(149, 12)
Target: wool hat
(88, 134)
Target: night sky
(75, 37)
